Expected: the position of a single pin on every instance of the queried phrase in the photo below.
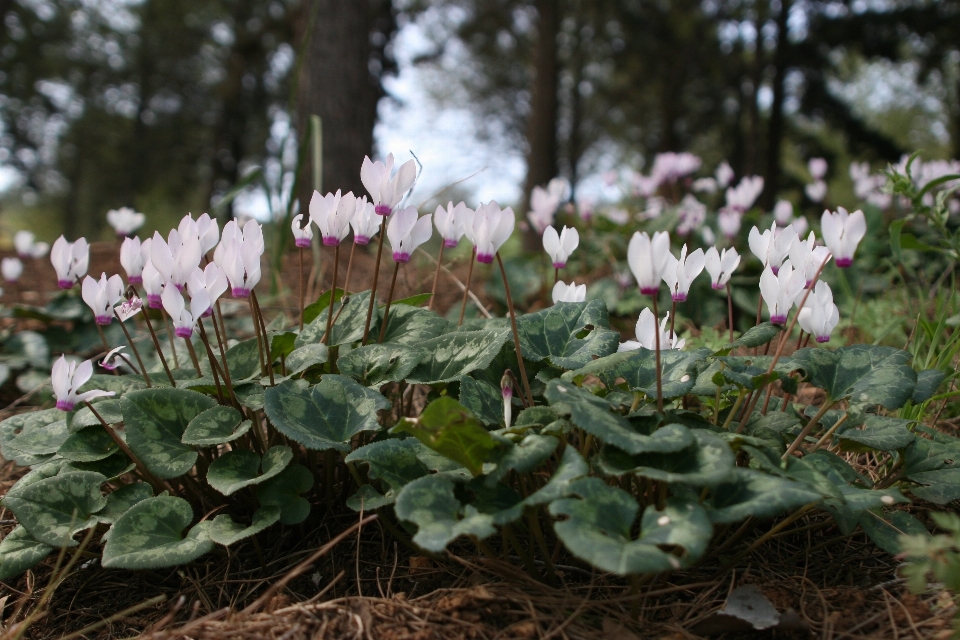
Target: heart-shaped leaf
(214, 426)
(88, 445)
(122, 499)
(348, 324)
(878, 432)
(639, 369)
(155, 421)
(867, 374)
(284, 489)
(554, 333)
(313, 310)
(19, 552)
(326, 415)
(36, 441)
(753, 337)
(412, 325)
(928, 381)
(376, 364)
(429, 503)
(13, 427)
(149, 535)
(886, 529)
(393, 461)
(524, 457)
(598, 526)
(223, 530)
(593, 415)
(449, 429)
(749, 493)
(455, 354)
(705, 463)
(52, 510)
(304, 357)
(108, 408)
(482, 399)
(243, 360)
(936, 466)
(241, 468)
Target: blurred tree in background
(166, 104)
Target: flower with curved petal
(720, 266)
(451, 221)
(648, 259)
(365, 221)
(772, 246)
(302, 235)
(184, 319)
(807, 256)
(153, 284)
(819, 315)
(332, 214)
(70, 260)
(780, 290)
(816, 190)
(101, 295)
(646, 332)
(11, 269)
(406, 232)
(113, 359)
(559, 246)
(210, 279)
(208, 232)
(842, 232)
(134, 255)
(125, 221)
(386, 190)
(23, 242)
(489, 229)
(563, 292)
(67, 377)
(679, 274)
(817, 168)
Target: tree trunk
(339, 80)
(771, 181)
(544, 107)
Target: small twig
(516, 334)
(466, 288)
(376, 277)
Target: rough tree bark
(771, 181)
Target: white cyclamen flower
(332, 214)
(560, 246)
(723, 174)
(208, 232)
(11, 268)
(563, 292)
(783, 212)
(365, 221)
(101, 295)
(648, 259)
(212, 280)
(506, 392)
(70, 260)
(842, 232)
(176, 257)
(742, 197)
(66, 377)
(819, 315)
(125, 220)
(780, 290)
(679, 274)
(729, 222)
(406, 232)
(387, 190)
(817, 168)
(113, 359)
(646, 332)
(720, 266)
(153, 284)
(772, 246)
(545, 202)
(241, 264)
(184, 319)
(134, 255)
(807, 256)
(451, 221)
(23, 242)
(489, 229)
(816, 190)
(302, 235)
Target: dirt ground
(365, 585)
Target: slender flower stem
(516, 334)
(173, 346)
(436, 278)
(656, 335)
(799, 340)
(759, 309)
(214, 365)
(814, 421)
(346, 282)
(466, 290)
(386, 311)
(267, 350)
(193, 356)
(220, 341)
(556, 275)
(673, 317)
(156, 343)
(300, 249)
(730, 311)
(333, 289)
(376, 277)
(256, 330)
(157, 484)
(223, 326)
(343, 303)
(143, 369)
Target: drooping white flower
(648, 259)
(451, 222)
(240, 259)
(729, 222)
(780, 290)
(113, 359)
(772, 246)
(177, 256)
(406, 232)
(302, 235)
(842, 232)
(332, 213)
(560, 246)
(506, 392)
(208, 232)
(125, 221)
(692, 214)
(70, 260)
(646, 332)
(563, 292)
(153, 284)
(184, 319)
(489, 229)
(724, 174)
(133, 256)
(365, 221)
(817, 168)
(807, 256)
(210, 279)
(101, 295)
(819, 315)
(67, 377)
(816, 190)
(11, 268)
(742, 197)
(386, 190)
(720, 266)
(783, 212)
(679, 274)
(704, 185)
(545, 202)
(671, 166)
(23, 242)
